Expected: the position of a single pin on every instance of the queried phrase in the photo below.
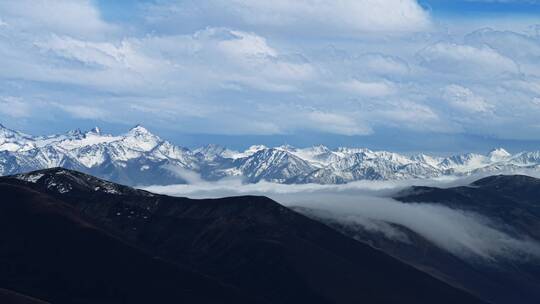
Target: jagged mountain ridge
(139, 157)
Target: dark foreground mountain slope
(11, 297)
(251, 244)
(510, 203)
(50, 252)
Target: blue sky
(494, 7)
(396, 74)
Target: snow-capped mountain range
(139, 157)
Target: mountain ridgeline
(139, 157)
(511, 203)
(67, 237)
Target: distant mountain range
(139, 157)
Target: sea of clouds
(369, 205)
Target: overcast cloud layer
(261, 68)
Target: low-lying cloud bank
(368, 204)
(462, 233)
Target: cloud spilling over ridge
(462, 233)
(368, 204)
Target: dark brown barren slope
(512, 203)
(251, 244)
(11, 297)
(50, 252)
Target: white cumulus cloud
(466, 100)
(466, 60)
(338, 17)
(74, 17)
(369, 89)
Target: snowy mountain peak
(139, 130)
(426, 159)
(95, 130)
(320, 148)
(250, 151)
(346, 150)
(6, 132)
(75, 133)
(139, 138)
(287, 148)
(11, 140)
(499, 154)
(210, 148)
(4, 129)
(211, 151)
(257, 148)
(139, 157)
